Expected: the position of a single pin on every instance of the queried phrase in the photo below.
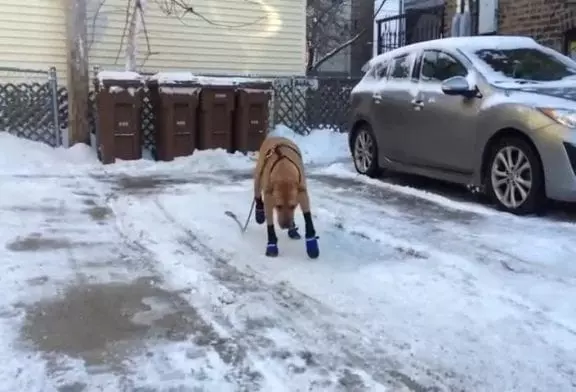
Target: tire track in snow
(347, 358)
(389, 224)
(459, 231)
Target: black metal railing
(413, 26)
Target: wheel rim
(363, 151)
(511, 176)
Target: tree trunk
(131, 38)
(77, 71)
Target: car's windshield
(527, 64)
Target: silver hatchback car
(497, 114)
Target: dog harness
(276, 150)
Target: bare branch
(93, 23)
(337, 50)
(171, 7)
(148, 46)
(124, 30)
(315, 65)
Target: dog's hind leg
(272, 246)
(312, 248)
(293, 232)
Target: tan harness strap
(276, 150)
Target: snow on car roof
(463, 43)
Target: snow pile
(19, 155)
(119, 75)
(320, 147)
(189, 77)
(202, 161)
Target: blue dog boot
(312, 247)
(293, 233)
(259, 213)
(272, 250)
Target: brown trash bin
(216, 117)
(119, 130)
(252, 115)
(176, 118)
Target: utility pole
(77, 76)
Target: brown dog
(279, 177)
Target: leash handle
(249, 216)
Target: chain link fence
(304, 104)
(32, 105)
(29, 104)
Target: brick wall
(544, 20)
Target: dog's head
(285, 197)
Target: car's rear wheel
(514, 177)
(365, 152)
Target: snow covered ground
(130, 277)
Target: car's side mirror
(458, 85)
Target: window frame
(384, 63)
(440, 52)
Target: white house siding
(265, 37)
(31, 36)
(270, 42)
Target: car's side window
(438, 66)
(401, 67)
(378, 71)
(382, 70)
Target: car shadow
(556, 211)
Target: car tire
(365, 152)
(514, 177)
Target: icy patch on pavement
(402, 289)
(285, 349)
(409, 285)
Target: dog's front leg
(272, 246)
(259, 214)
(311, 239)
